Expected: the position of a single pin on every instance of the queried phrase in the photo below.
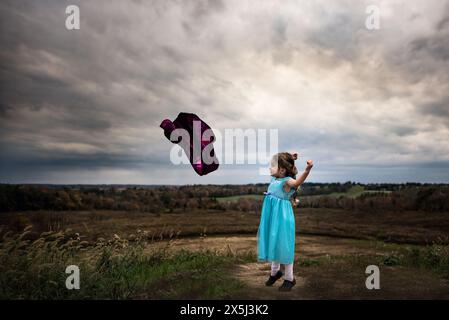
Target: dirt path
(343, 282)
(334, 274)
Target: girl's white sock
(275, 268)
(288, 272)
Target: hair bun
(295, 156)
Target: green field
(353, 192)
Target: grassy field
(245, 196)
(404, 227)
(353, 192)
(115, 269)
(206, 254)
(174, 269)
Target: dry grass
(111, 269)
(403, 227)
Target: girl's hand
(309, 165)
(295, 183)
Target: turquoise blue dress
(276, 233)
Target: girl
(276, 233)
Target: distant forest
(159, 199)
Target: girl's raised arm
(295, 183)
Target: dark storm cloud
(279, 32)
(444, 23)
(78, 99)
(437, 46)
(426, 55)
(339, 35)
(403, 131)
(93, 99)
(203, 9)
(439, 109)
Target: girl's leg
(275, 268)
(289, 272)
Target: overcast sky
(84, 106)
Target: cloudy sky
(84, 106)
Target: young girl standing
(276, 233)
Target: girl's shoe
(273, 279)
(287, 285)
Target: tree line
(410, 196)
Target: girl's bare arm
(295, 183)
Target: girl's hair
(286, 160)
